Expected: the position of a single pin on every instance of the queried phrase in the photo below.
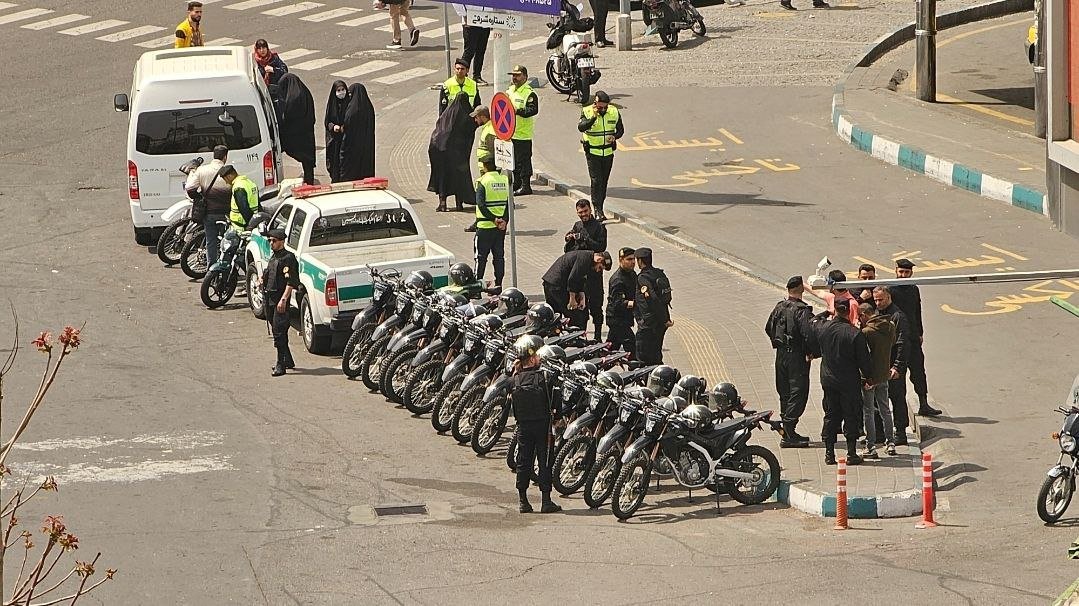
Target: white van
(184, 102)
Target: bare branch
(86, 578)
(10, 361)
(59, 583)
(74, 596)
(46, 384)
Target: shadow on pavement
(667, 196)
(1021, 96)
(932, 435)
(970, 420)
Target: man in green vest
(245, 197)
(485, 150)
(492, 197)
(601, 127)
(457, 84)
(527, 106)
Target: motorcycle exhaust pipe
(730, 473)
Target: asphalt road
(206, 482)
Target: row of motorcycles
(450, 353)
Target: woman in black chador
(356, 158)
(296, 122)
(450, 152)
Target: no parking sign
(504, 116)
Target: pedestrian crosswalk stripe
(437, 32)
(55, 21)
(408, 74)
(242, 6)
(331, 14)
(93, 27)
(127, 34)
(223, 41)
(159, 42)
(418, 21)
(315, 64)
(296, 53)
(6, 5)
(526, 43)
(299, 7)
(366, 68)
(29, 13)
(365, 19)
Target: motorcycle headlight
(380, 289)
(649, 424)
(1067, 443)
(594, 400)
(624, 414)
(489, 354)
(417, 314)
(470, 343)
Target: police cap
(904, 264)
(625, 251)
(276, 234)
(794, 282)
(643, 253)
(461, 62)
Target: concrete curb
(911, 158)
(889, 505)
(1069, 595)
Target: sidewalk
(718, 331)
(978, 136)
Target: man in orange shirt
(834, 278)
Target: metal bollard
(927, 492)
(841, 494)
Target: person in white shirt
(213, 196)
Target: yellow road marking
(1009, 253)
(726, 133)
(985, 110)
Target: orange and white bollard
(927, 492)
(841, 494)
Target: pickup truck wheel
(313, 339)
(254, 294)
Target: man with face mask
(601, 127)
(189, 31)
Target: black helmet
(461, 274)
(582, 367)
(610, 379)
(541, 316)
(527, 346)
(690, 387)
(724, 398)
(667, 404)
(551, 352)
(455, 300)
(489, 321)
(697, 415)
(642, 393)
(513, 301)
(662, 380)
(420, 280)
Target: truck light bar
(305, 191)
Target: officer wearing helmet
(565, 283)
(662, 380)
(533, 409)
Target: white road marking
(518, 45)
(437, 32)
(161, 42)
(121, 472)
(296, 53)
(242, 6)
(366, 68)
(223, 41)
(315, 64)
(127, 34)
(189, 440)
(331, 14)
(415, 72)
(367, 19)
(29, 13)
(93, 27)
(6, 5)
(299, 7)
(418, 21)
(55, 21)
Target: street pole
(512, 227)
(624, 28)
(501, 49)
(1041, 85)
(446, 35)
(925, 33)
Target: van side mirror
(120, 103)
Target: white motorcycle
(571, 69)
(181, 229)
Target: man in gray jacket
(879, 333)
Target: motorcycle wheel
(764, 465)
(1054, 497)
(171, 242)
(601, 478)
(395, 376)
(698, 27)
(217, 288)
(630, 488)
(669, 37)
(490, 423)
(446, 401)
(572, 463)
(193, 257)
(355, 349)
(561, 84)
(468, 410)
(255, 299)
(419, 393)
(584, 88)
(371, 366)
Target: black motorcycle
(171, 242)
(632, 404)
(384, 286)
(673, 16)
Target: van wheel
(144, 236)
(314, 339)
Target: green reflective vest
(596, 136)
(520, 96)
(243, 183)
(468, 88)
(484, 151)
(496, 192)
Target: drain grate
(401, 510)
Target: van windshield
(196, 130)
(362, 226)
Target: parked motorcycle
(1057, 489)
(416, 288)
(383, 304)
(181, 226)
(673, 16)
(632, 404)
(571, 67)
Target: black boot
(525, 507)
(278, 370)
(794, 435)
(287, 361)
(924, 409)
(790, 439)
(852, 453)
(829, 452)
(548, 505)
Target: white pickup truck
(339, 233)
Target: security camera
(822, 265)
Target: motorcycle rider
(533, 409)
(620, 294)
(279, 280)
(211, 197)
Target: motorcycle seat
(728, 426)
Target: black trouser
(490, 242)
(532, 447)
(279, 325)
(842, 411)
(308, 172)
(916, 366)
(792, 383)
(897, 393)
(522, 163)
(599, 171)
(556, 297)
(599, 13)
(620, 336)
(650, 344)
(475, 39)
(594, 300)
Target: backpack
(665, 291)
(777, 325)
(531, 401)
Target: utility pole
(623, 28)
(925, 34)
(1041, 84)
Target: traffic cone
(927, 492)
(841, 494)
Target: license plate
(470, 343)
(586, 62)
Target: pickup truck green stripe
(366, 291)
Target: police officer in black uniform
(909, 299)
(564, 284)
(788, 328)
(280, 278)
(532, 408)
(651, 305)
(620, 301)
(589, 233)
(844, 361)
